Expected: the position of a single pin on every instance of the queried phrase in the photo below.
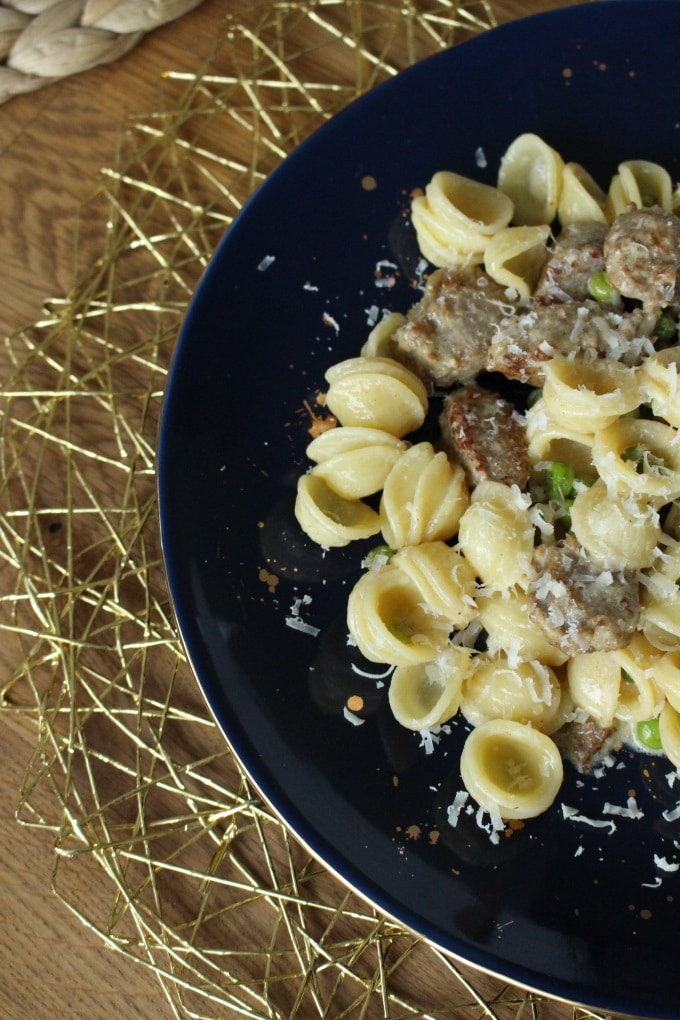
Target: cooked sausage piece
(579, 606)
(523, 343)
(483, 432)
(642, 256)
(574, 258)
(447, 334)
(584, 743)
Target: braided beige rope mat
(42, 41)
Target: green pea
(649, 735)
(560, 480)
(666, 328)
(601, 288)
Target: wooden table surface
(52, 143)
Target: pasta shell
(376, 392)
(515, 256)
(527, 692)
(594, 680)
(444, 577)
(423, 498)
(496, 535)
(617, 530)
(388, 621)
(511, 769)
(427, 695)
(328, 519)
(582, 200)
(639, 456)
(586, 396)
(355, 461)
(659, 381)
(530, 173)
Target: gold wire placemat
(200, 882)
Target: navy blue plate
(582, 903)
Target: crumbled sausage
(642, 256)
(574, 258)
(525, 342)
(482, 431)
(447, 334)
(584, 743)
(579, 606)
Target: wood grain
(53, 142)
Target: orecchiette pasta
(496, 534)
(594, 680)
(640, 182)
(423, 498)
(660, 617)
(582, 200)
(617, 685)
(640, 456)
(669, 731)
(455, 218)
(528, 692)
(378, 340)
(617, 530)
(377, 393)
(427, 695)
(586, 396)
(550, 440)
(445, 579)
(659, 384)
(389, 622)
(329, 519)
(505, 618)
(355, 461)
(454, 599)
(667, 676)
(530, 174)
(639, 695)
(511, 769)
(515, 256)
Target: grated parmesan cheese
(631, 810)
(663, 864)
(571, 814)
(454, 809)
(352, 718)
